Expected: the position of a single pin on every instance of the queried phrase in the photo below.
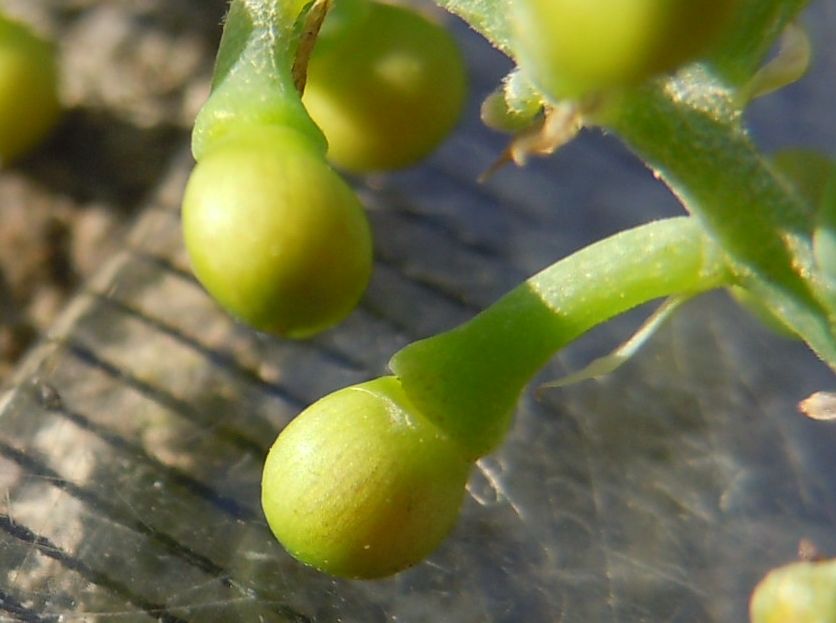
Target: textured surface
(132, 77)
(132, 438)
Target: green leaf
(489, 17)
(758, 24)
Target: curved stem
(253, 83)
(468, 380)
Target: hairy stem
(688, 130)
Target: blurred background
(133, 75)
(134, 415)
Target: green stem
(468, 380)
(688, 131)
(253, 83)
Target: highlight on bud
(274, 234)
(802, 592)
(385, 84)
(571, 49)
(361, 485)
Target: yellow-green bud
(803, 592)
(385, 89)
(574, 47)
(274, 234)
(361, 485)
(29, 104)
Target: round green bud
(385, 91)
(803, 592)
(496, 114)
(29, 104)
(361, 485)
(572, 48)
(274, 234)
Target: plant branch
(689, 132)
(468, 380)
(253, 82)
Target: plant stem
(468, 380)
(253, 82)
(688, 128)
(688, 131)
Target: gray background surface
(132, 436)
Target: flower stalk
(468, 380)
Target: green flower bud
(274, 234)
(29, 104)
(385, 89)
(571, 47)
(361, 485)
(803, 592)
